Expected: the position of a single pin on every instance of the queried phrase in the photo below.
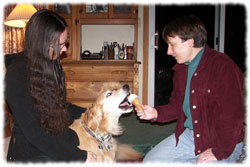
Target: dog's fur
(103, 118)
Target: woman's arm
(20, 102)
(75, 111)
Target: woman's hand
(91, 157)
(206, 156)
(148, 113)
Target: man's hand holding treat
(135, 101)
(145, 112)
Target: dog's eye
(108, 94)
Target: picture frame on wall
(92, 8)
(63, 8)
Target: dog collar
(104, 141)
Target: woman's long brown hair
(47, 81)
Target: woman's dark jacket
(29, 142)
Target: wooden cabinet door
(123, 11)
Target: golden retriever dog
(100, 122)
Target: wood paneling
(85, 80)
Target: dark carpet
(143, 135)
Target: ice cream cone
(137, 104)
(135, 101)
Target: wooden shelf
(86, 78)
(89, 61)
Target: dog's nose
(126, 87)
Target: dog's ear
(93, 117)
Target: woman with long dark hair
(36, 94)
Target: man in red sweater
(206, 100)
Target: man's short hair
(186, 27)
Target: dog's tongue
(124, 104)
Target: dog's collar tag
(106, 140)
